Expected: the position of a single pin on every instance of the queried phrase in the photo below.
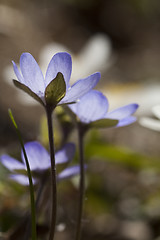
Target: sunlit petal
(122, 112)
(126, 121)
(37, 155)
(61, 62)
(92, 106)
(32, 75)
(21, 179)
(80, 88)
(11, 163)
(69, 172)
(17, 72)
(65, 154)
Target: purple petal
(11, 163)
(69, 172)
(65, 154)
(38, 157)
(126, 121)
(18, 74)
(122, 112)
(92, 106)
(21, 179)
(32, 75)
(80, 88)
(61, 62)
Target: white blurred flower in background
(94, 56)
(147, 95)
(152, 123)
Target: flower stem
(31, 188)
(81, 183)
(53, 175)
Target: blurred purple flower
(39, 161)
(31, 76)
(94, 106)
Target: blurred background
(121, 40)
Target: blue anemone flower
(94, 106)
(39, 161)
(31, 76)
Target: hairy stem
(53, 175)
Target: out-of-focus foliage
(122, 185)
(97, 148)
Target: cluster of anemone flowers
(88, 108)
